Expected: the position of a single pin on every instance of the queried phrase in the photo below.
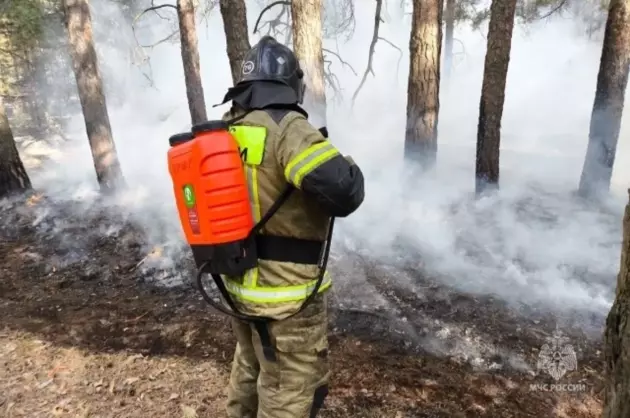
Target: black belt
(283, 249)
(287, 249)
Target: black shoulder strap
(284, 196)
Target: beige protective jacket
(280, 147)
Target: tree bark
(609, 100)
(190, 59)
(449, 31)
(234, 13)
(307, 44)
(90, 88)
(495, 72)
(423, 91)
(617, 337)
(13, 176)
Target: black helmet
(269, 60)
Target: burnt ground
(85, 332)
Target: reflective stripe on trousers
(275, 294)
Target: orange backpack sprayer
(213, 203)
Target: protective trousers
(296, 384)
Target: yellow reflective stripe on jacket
(251, 174)
(308, 160)
(275, 294)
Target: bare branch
(339, 19)
(206, 11)
(369, 69)
(143, 57)
(380, 38)
(275, 3)
(341, 60)
(153, 9)
(278, 26)
(462, 45)
(390, 43)
(332, 80)
(554, 10)
(330, 77)
(149, 78)
(163, 40)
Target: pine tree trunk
(190, 59)
(33, 87)
(13, 176)
(493, 93)
(617, 337)
(609, 99)
(423, 92)
(449, 31)
(234, 13)
(307, 44)
(90, 88)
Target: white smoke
(534, 243)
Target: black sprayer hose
(233, 312)
(322, 271)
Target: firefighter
(282, 370)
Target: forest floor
(89, 334)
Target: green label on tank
(189, 196)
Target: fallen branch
(137, 318)
(369, 69)
(262, 12)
